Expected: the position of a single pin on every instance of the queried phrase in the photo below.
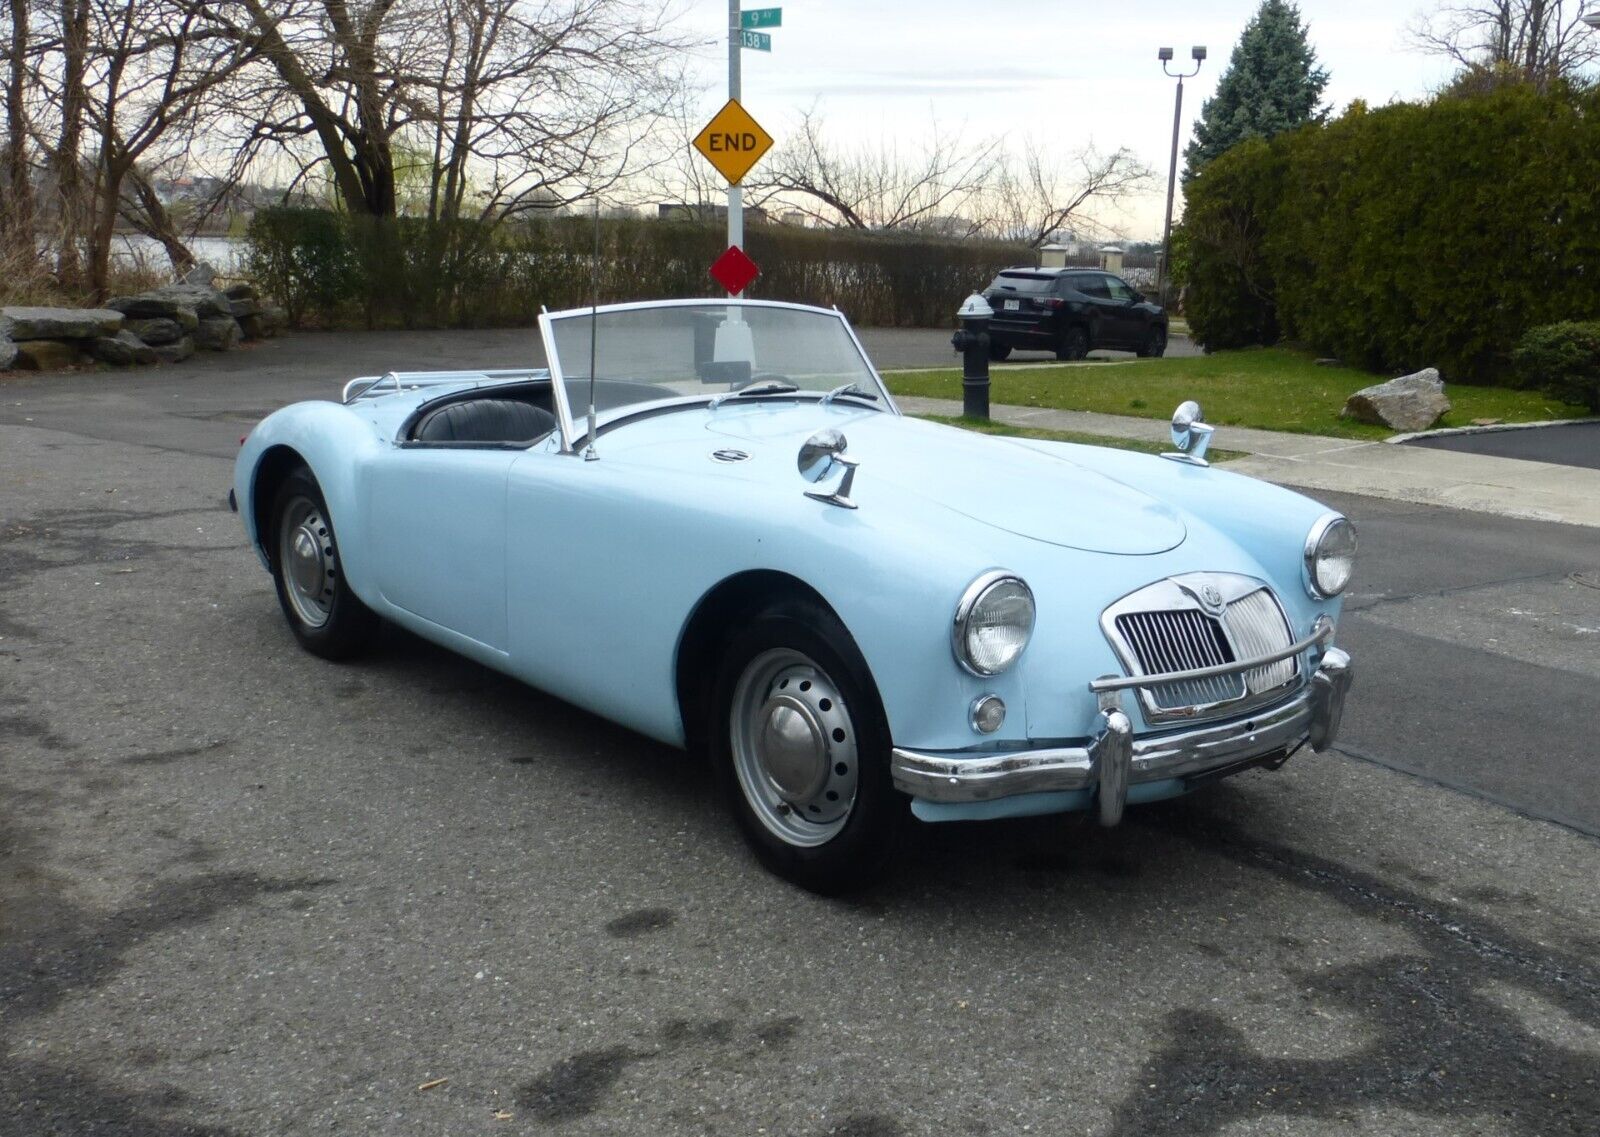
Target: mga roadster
(708, 521)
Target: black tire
(797, 659)
(1154, 345)
(998, 350)
(325, 615)
(1073, 343)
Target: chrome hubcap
(794, 747)
(305, 550)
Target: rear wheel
(803, 751)
(1155, 343)
(998, 350)
(325, 615)
(1073, 343)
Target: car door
(1100, 309)
(438, 517)
(1125, 318)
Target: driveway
(1577, 444)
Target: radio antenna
(594, 316)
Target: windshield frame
(570, 417)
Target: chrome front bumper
(1113, 760)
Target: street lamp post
(1198, 54)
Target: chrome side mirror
(1191, 434)
(820, 455)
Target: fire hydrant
(972, 341)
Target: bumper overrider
(1114, 759)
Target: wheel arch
(276, 464)
(709, 627)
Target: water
(225, 254)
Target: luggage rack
(393, 382)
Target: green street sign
(755, 41)
(761, 18)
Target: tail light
(1051, 302)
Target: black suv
(1071, 311)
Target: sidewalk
(1507, 486)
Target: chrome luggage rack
(393, 382)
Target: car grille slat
(1181, 641)
(1258, 628)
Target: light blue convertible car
(708, 521)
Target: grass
(988, 426)
(1271, 388)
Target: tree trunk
(71, 188)
(147, 214)
(16, 218)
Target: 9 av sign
(733, 142)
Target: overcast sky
(1067, 71)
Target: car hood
(991, 480)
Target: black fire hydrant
(972, 341)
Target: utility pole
(1165, 55)
(735, 90)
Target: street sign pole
(735, 193)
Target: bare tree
(1532, 40)
(17, 210)
(874, 187)
(1037, 194)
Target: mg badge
(730, 456)
(1211, 599)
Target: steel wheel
(310, 564)
(794, 748)
(1074, 343)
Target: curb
(1445, 432)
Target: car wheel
(1155, 344)
(998, 350)
(1073, 344)
(325, 615)
(804, 751)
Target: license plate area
(1012, 305)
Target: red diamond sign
(734, 271)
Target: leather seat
(486, 420)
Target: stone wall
(164, 325)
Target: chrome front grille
(1181, 641)
(1164, 628)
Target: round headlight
(993, 623)
(1330, 556)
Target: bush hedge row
(1415, 235)
(330, 269)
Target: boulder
(61, 323)
(218, 333)
(158, 330)
(244, 307)
(49, 355)
(201, 274)
(8, 354)
(175, 352)
(122, 349)
(204, 301)
(1411, 402)
(150, 306)
(240, 292)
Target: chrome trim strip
(1123, 683)
(957, 778)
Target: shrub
(1563, 359)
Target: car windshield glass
(1018, 282)
(649, 353)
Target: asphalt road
(1574, 445)
(246, 892)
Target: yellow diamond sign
(733, 142)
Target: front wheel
(1154, 345)
(325, 615)
(803, 751)
(1073, 343)
(998, 350)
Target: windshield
(646, 353)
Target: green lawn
(1273, 388)
(988, 426)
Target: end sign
(733, 142)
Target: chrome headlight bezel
(972, 601)
(1316, 545)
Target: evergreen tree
(1272, 84)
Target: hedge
(1416, 235)
(331, 269)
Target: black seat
(486, 420)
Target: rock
(1329, 361)
(274, 319)
(244, 307)
(122, 349)
(220, 333)
(8, 354)
(150, 306)
(252, 328)
(202, 274)
(61, 323)
(240, 292)
(1411, 402)
(204, 301)
(1486, 422)
(158, 330)
(175, 352)
(49, 355)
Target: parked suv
(1071, 311)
